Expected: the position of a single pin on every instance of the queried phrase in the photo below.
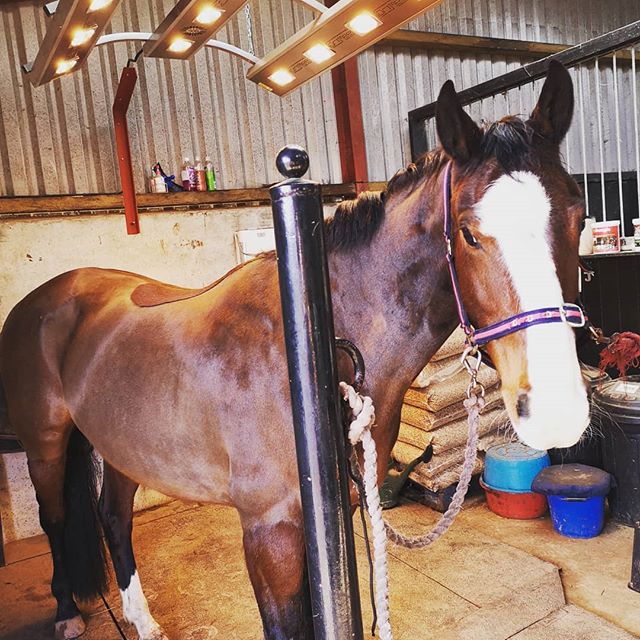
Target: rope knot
(362, 411)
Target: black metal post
(635, 559)
(309, 338)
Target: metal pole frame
(607, 43)
(315, 402)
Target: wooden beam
(522, 49)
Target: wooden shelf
(48, 206)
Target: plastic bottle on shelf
(201, 182)
(209, 174)
(187, 176)
(158, 184)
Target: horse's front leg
(276, 562)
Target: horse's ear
(459, 135)
(552, 115)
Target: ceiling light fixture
(319, 53)
(76, 24)
(82, 36)
(363, 23)
(192, 19)
(282, 77)
(208, 15)
(345, 29)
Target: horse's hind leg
(116, 511)
(63, 478)
(275, 559)
(48, 479)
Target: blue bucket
(577, 517)
(513, 466)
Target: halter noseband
(568, 313)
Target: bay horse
(187, 391)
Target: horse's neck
(396, 307)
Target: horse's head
(516, 220)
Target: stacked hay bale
(433, 414)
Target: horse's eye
(469, 237)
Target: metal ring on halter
(356, 358)
(471, 359)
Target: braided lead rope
(474, 405)
(360, 431)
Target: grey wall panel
(396, 80)
(59, 138)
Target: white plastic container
(586, 238)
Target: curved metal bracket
(143, 36)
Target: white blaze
(515, 210)
(136, 611)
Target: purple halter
(570, 314)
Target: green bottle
(209, 174)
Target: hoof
(158, 634)
(71, 628)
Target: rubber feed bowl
(513, 466)
(517, 505)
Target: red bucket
(517, 505)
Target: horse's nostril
(522, 405)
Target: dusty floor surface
(488, 579)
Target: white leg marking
(515, 210)
(136, 611)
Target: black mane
(355, 222)
(509, 142)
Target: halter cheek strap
(570, 314)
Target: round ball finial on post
(292, 161)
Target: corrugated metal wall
(59, 138)
(395, 80)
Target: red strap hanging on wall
(121, 102)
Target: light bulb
(82, 36)
(282, 77)
(180, 45)
(319, 53)
(96, 5)
(363, 23)
(208, 15)
(66, 65)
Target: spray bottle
(201, 183)
(209, 174)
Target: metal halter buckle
(565, 317)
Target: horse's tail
(5, 427)
(84, 552)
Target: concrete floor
(487, 579)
